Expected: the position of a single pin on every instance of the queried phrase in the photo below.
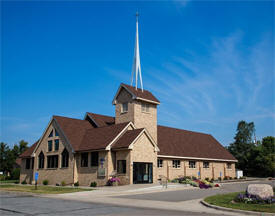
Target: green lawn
(9, 181)
(41, 189)
(224, 200)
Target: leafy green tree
(4, 149)
(243, 145)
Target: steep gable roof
(73, 129)
(101, 120)
(183, 143)
(29, 151)
(100, 138)
(127, 138)
(138, 94)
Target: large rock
(261, 190)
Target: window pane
(52, 161)
(125, 107)
(50, 145)
(94, 159)
(65, 158)
(41, 161)
(56, 133)
(121, 166)
(84, 159)
(28, 163)
(56, 144)
(51, 134)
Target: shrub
(57, 184)
(15, 174)
(76, 184)
(175, 180)
(207, 179)
(248, 198)
(45, 182)
(219, 178)
(194, 184)
(235, 178)
(24, 182)
(63, 183)
(230, 178)
(225, 178)
(93, 184)
(212, 180)
(194, 178)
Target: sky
(210, 63)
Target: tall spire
(136, 64)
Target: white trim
(150, 101)
(195, 158)
(108, 147)
(150, 138)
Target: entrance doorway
(142, 173)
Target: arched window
(65, 158)
(41, 160)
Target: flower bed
(253, 199)
(203, 184)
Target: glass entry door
(142, 173)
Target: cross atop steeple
(136, 70)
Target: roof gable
(137, 94)
(99, 120)
(29, 151)
(183, 143)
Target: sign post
(36, 178)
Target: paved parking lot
(18, 204)
(184, 195)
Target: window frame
(204, 163)
(145, 107)
(84, 161)
(121, 167)
(176, 164)
(50, 143)
(56, 132)
(51, 134)
(52, 161)
(190, 164)
(41, 160)
(160, 163)
(124, 109)
(94, 162)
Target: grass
(224, 200)
(9, 181)
(41, 189)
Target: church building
(130, 145)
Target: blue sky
(211, 64)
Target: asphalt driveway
(190, 194)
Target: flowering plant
(113, 180)
(248, 198)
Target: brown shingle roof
(29, 151)
(126, 139)
(183, 143)
(99, 138)
(74, 129)
(101, 120)
(141, 94)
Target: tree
(4, 149)
(243, 145)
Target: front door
(142, 173)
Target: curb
(235, 210)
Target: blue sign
(199, 173)
(220, 174)
(36, 176)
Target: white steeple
(136, 64)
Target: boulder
(261, 190)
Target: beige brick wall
(26, 174)
(125, 155)
(54, 175)
(213, 171)
(144, 151)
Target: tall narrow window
(176, 163)
(160, 163)
(56, 133)
(51, 134)
(41, 160)
(50, 145)
(56, 144)
(32, 163)
(94, 159)
(124, 107)
(65, 158)
(192, 164)
(144, 107)
(28, 163)
(121, 166)
(84, 159)
(52, 161)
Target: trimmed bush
(15, 174)
(63, 183)
(207, 179)
(45, 182)
(93, 184)
(76, 184)
(24, 182)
